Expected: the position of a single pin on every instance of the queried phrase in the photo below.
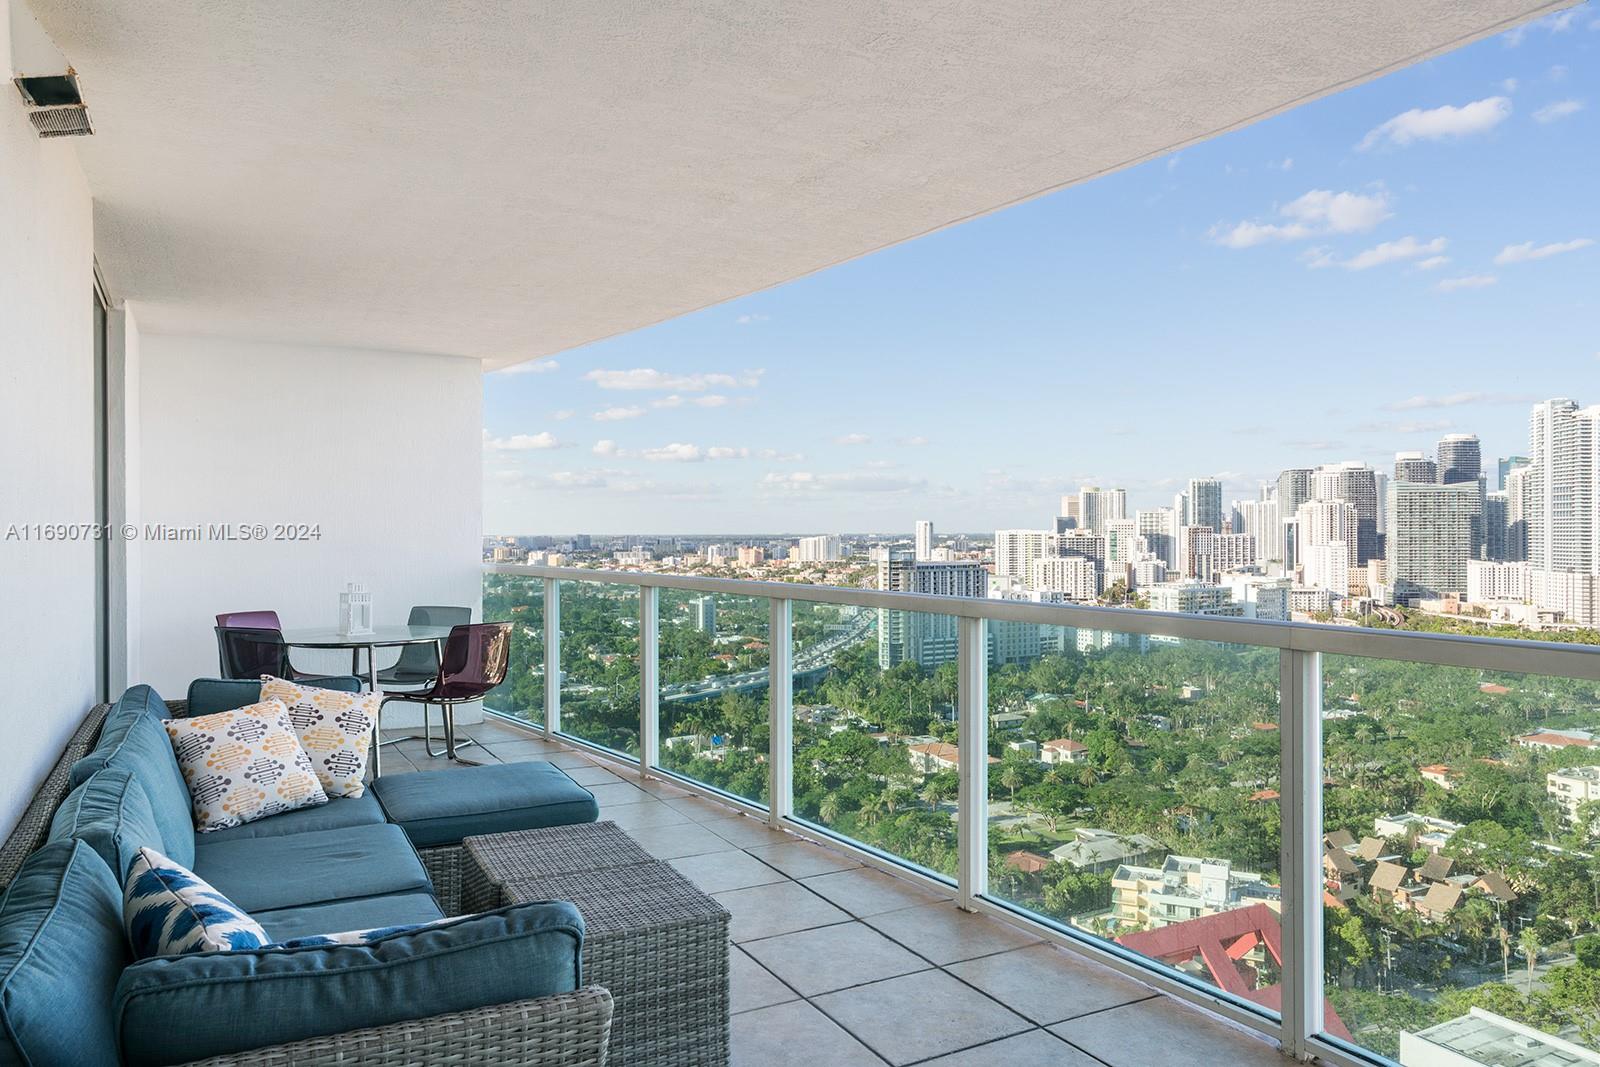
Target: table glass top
(330, 637)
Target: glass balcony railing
(1366, 844)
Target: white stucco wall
(46, 450)
(380, 450)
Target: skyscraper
(1325, 531)
(1205, 503)
(1496, 525)
(924, 539)
(1432, 534)
(1070, 518)
(1562, 491)
(1015, 551)
(1460, 459)
(1357, 485)
(1096, 507)
(921, 637)
(1506, 466)
(1158, 527)
(1414, 467)
(1294, 489)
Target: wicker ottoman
(652, 938)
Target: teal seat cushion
(338, 916)
(442, 807)
(62, 950)
(181, 1008)
(135, 741)
(264, 873)
(210, 695)
(111, 814)
(336, 814)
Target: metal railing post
(649, 678)
(780, 710)
(972, 715)
(1300, 859)
(552, 657)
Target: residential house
(1063, 750)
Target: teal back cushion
(62, 950)
(207, 696)
(111, 814)
(135, 741)
(173, 1009)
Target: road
(811, 660)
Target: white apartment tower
(924, 540)
(921, 637)
(1357, 485)
(1097, 507)
(1205, 503)
(1015, 551)
(819, 549)
(1562, 495)
(1432, 534)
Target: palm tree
(1529, 943)
(1011, 776)
(828, 810)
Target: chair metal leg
(450, 745)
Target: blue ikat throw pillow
(169, 910)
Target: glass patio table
(328, 637)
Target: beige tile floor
(838, 964)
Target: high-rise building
(1562, 492)
(1260, 520)
(1460, 459)
(1121, 536)
(1197, 552)
(1071, 516)
(1294, 489)
(1194, 598)
(1158, 527)
(1205, 503)
(924, 540)
(1519, 502)
(1096, 507)
(1506, 466)
(705, 614)
(1496, 525)
(1327, 566)
(1431, 536)
(1357, 485)
(1015, 551)
(1233, 552)
(1074, 577)
(1414, 467)
(922, 637)
(819, 549)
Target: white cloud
(1320, 211)
(532, 366)
(646, 378)
(1560, 22)
(781, 457)
(673, 401)
(1509, 85)
(1433, 262)
(852, 439)
(1436, 124)
(606, 448)
(564, 414)
(1470, 281)
(617, 414)
(752, 318)
(1286, 164)
(520, 442)
(1380, 255)
(723, 452)
(1454, 400)
(1557, 111)
(1527, 250)
(916, 441)
(715, 400)
(675, 452)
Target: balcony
(1239, 885)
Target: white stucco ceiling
(509, 179)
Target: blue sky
(1361, 275)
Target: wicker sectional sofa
(500, 987)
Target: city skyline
(1111, 334)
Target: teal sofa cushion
(182, 1008)
(61, 952)
(210, 695)
(336, 814)
(442, 807)
(337, 916)
(134, 740)
(111, 814)
(263, 873)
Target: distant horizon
(1359, 276)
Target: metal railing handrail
(1445, 650)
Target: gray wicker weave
(568, 1030)
(444, 867)
(651, 937)
(34, 826)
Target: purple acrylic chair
(250, 644)
(472, 660)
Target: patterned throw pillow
(169, 911)
(335, 729)
(243, 765)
